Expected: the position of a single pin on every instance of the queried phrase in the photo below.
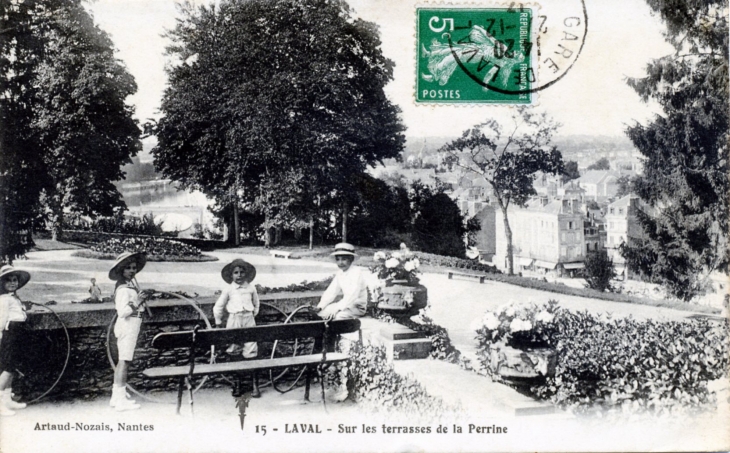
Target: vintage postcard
(364, 226)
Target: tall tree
(80, 118)
(59, 125)
(685, 178)
(509, 160)
(271, 88)
(21, 164)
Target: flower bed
(157, 249)
(402, 265)
(616, 365)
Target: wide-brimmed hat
(23, 276)
(227, 272)
(115, 273)
(344, 249)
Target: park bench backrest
(272, 332)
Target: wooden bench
(280, 254)
(464, 274)
(202, 340)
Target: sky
(592, 98)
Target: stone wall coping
(163, 310)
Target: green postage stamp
(475, 55)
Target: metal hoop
(68, 352)
(273, 379)
(129, 386)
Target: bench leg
(180, 384)
(307, 382)
(255, 393)
(190, 395)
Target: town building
(622, 225)
(599, 185)
(546, 237)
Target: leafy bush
(152, 246)
(376, 383)
(616, 365)
(599, 271)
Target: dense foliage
(250, 122)
(685, 177)
(65, 130)
(118, 223)
(598, 271)
(623, 364)
(377, 385)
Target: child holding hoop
(12, 328)
(129, 302)
(241, 301)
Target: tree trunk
(311, 232)
(57, 224)
(277, 234)
(508, 236)
(236, 225)
(267, 232)
(344, 221)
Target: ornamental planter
(515, 364)
(403, 300)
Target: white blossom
(490, 321)
(544, 316)
(518, 324)
(379, 256)
(391, 263)
(409, 266)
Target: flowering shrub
(618, 365)
(154, 247)
(527, 324)
(400, 265)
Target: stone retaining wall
(89, 373)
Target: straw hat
(344, 249)
(115, 273)
(23, 276)
(227, 272)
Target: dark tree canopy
(285, 93)
(64, 128)
(80, 118)
(685, 179)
